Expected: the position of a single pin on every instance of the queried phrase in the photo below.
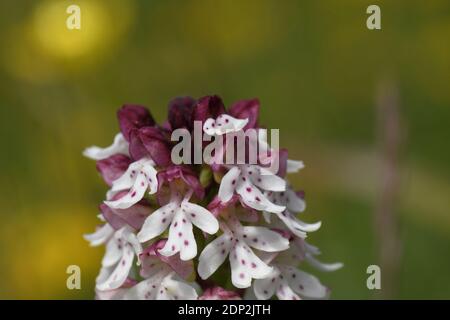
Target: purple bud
(208, 107)
(181, 113)
(113, 167)
(244, 109)
(133, 117)
(187, 175)
(150, 142)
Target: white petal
(308, 247)
(120, 274)
(146, 289)
(119, 146)
(150, 174)
(264, 239)
(132, 239)
(209, 126)
(175, 289)
(245, 265)
(294, 166)
(157, 222)
(265, 288)
(296, 226)
(239, 274)
(104, 274)
(181, 239)
(266, 180)
(228, 184)
(113, 253)
(284, 292)
(100, 236)
(201, 217)
(294, 202)
(126, 180)
(255, 199)
(304, 284)
(134, 195)
(326, 267)
(213, 256)
(225, 124)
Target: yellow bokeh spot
(42, 47)
(54, 37)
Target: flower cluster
(168, 228)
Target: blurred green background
(313, 64)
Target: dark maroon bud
(133, 117)
(181, 113)
(246, 109)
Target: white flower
(246, 181)
(223, 124)
(140, 176)
(162, 282)
(121, 248)
(164, 285)
(180, 214)
(119, 146)
(292, 203)
(235, 242)
(287, 282)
